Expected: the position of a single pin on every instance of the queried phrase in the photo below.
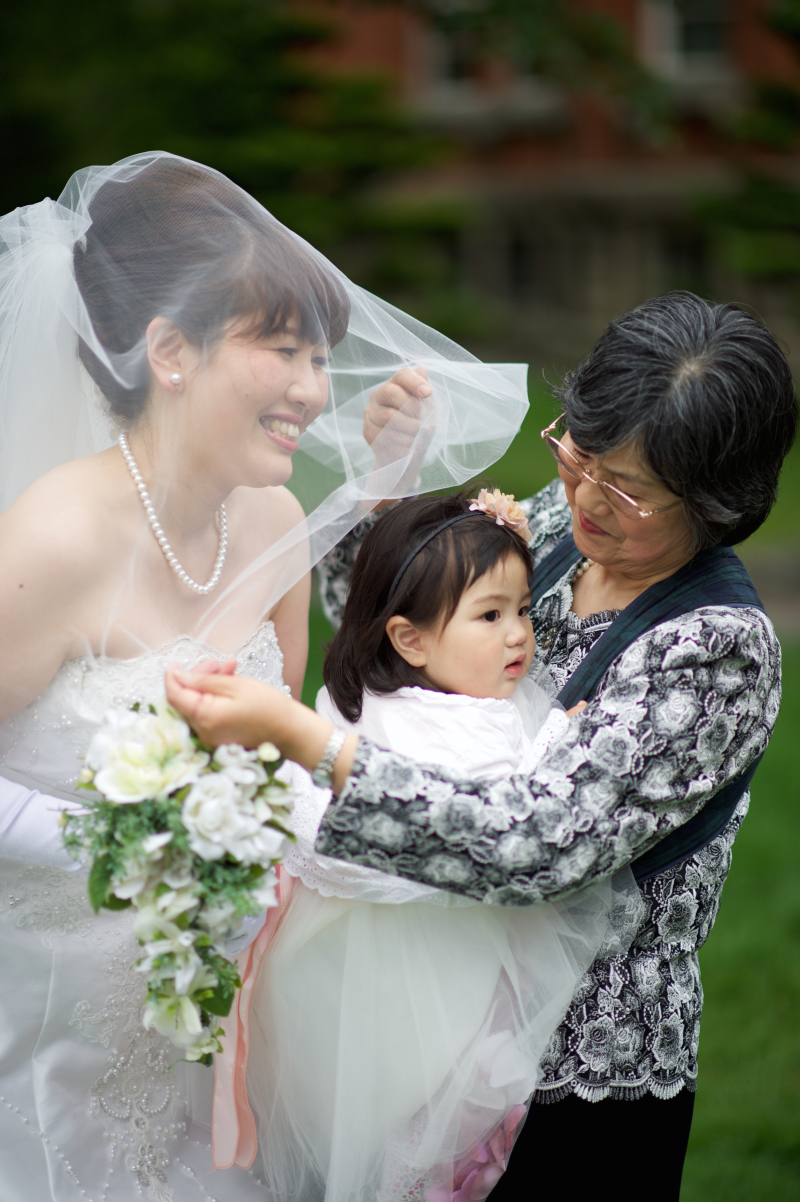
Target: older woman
(668, 451)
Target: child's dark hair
(361, 655)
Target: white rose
(138, 874)
(212, 817)
(232, 755)
(139, 755)
(241, 766)
(259, 845)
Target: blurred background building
(593, 155)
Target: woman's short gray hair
(705, 394)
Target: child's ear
(407, 641)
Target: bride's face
(245, 407)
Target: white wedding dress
(90, 1109)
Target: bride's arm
(45, 571)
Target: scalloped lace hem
(621, 1093)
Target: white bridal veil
(91, 1107)
(154, 234)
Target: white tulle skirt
(393, 1048)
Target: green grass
(745, 1144)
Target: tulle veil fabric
(51, 410)
(396, 1031)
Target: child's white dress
(396, 1029)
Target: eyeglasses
(569, 464)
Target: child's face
(487, 646)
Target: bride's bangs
(176, 240)
(281, 287)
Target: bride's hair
(176, 240)
(426, 591)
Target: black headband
(428, 538)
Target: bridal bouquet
(190, 837)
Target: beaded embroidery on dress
(103, 1114)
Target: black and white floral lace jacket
(682, 711)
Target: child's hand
(224, 708)
(577, 709)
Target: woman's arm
(681, 713)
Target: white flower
(178, 874)
(207, 1042)
(232, 755)
(218, 920)
(178, 959)
(138, 874)
(258, 845)
(139, 755)
(212, 817)
(157, 913)
(176, 1015)
(269, 753)
(241, 766)
(152, 844)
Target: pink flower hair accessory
(504, 509)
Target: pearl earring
(176, 380)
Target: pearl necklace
(585, 564)
(161, 537)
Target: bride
(165, 346)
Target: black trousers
(577, 1150)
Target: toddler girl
(396, 1029)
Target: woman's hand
(395, 422)
(223, 708)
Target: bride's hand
(236, 709)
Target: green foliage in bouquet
(190, 838)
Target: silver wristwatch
(323, 773)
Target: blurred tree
(756, 232)
(225, 82)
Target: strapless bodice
(45, 743)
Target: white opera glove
(30, 828)
(244, 934)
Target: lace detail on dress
(46, 902)
(129, 1088)
(682, 711)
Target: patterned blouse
(683, 710)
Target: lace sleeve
(335, 569)
(549, 517)
(681, 712)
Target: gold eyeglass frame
(557, 449)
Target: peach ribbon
(234, 1130)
